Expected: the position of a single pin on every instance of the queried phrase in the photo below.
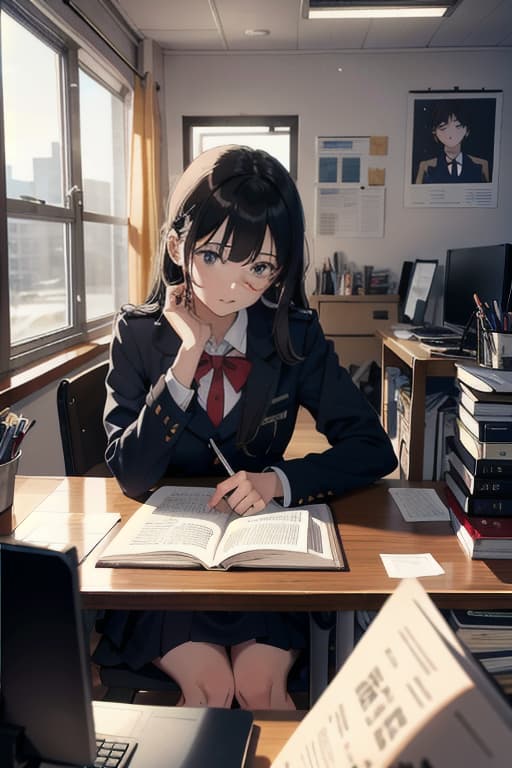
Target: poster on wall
(452, 149)
(349, 200)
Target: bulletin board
(350, 186)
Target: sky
(32, 106)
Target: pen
(225, 463)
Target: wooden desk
(271, 732)
(369, 524)
(398, 352)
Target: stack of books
(378, 282)
(488, 635)
(479, 475)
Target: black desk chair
(80, 402)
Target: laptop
(45, 683)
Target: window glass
(276, 143)
(32, 115)
(102, 138)
(38, 278)
(106, 268)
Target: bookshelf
(412, 356)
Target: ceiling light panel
(377, 9)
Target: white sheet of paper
(419, 504)
(405, 566)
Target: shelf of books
(479, 482)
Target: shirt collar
(235, 338)
(237, 333)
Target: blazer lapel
(264, 377)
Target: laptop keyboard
(113, 752)
(431, 331)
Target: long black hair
(251, 191)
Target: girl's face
(227, 286)
(451, 133)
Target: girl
(226, 348)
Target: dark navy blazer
(150, 437)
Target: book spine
(489, 507)
(481, 467)
(495, 431)
(491, 487)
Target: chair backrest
(80, 403)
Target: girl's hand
(191, 330)
(249, 492)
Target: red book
(481, 537)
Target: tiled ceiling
(219, 25)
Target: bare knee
(202, 671)
(254, 691)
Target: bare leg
(203, 672)
(261, 674)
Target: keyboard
(432, 331)
(113, 751)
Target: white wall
(369, 97)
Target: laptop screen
(44, 674)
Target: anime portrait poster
(452, 149)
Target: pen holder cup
(494, 350)
(7, 477)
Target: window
(64, 240)
(278, 135)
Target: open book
(175, 529)
(410, 694)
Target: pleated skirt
(136, 638)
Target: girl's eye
(263, 269)
(209, 257)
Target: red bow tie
(236, 370)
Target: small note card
(411, 566)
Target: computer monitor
(45, 686)
(420, 284)
(485, 270)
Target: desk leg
(417, 421)
(344, 636)
(318, 660)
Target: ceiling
(219, 25)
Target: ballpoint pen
(225, 463)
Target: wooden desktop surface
(271, 732)
(369, 524)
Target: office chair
(80, 402)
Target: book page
(285, 530)
(173, 520)
(409, 692)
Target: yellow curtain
(144, 188)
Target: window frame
(272, 121)
(74, 57)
